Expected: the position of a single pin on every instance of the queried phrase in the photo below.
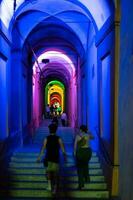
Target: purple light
(57, 56)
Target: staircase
(26, 179)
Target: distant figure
(59, 110)
(64, 119)
(52, 144)
(47, 110)
(83, 154)
(55, 109)
(51, 110)
(55, 120)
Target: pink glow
(60, 58)
(37, 100)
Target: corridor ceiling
(68, 19)
(99, 10)
(60, 66)
(54, 25)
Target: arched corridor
(66, 53)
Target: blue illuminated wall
(15, 106)
(8, 137)
(92, 97)
(105, 98)
(105, 59)
(4, 54)
(83, 99)
(126, 101)
(24, 96)
(97, 85)
(3, 101)
(88, 81)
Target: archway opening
(55, 94)
(59, 66)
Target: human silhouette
(52, 144)
(47, 110)
(82, 152)
(64, 119)
(55, 120)
(59, 110)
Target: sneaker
(49, 188)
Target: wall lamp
(45, 60)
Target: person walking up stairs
(26, 179)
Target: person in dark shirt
(52, 144)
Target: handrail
(105, 152)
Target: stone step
(19, 177)
(68, 133)
(35, 154)
(27, 178)
(43, 171)
(60, 133)
(42, 137)
(40, 142)
(43, 193)
(43, 185)
(33, 159)
(40, 165)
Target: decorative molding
(105, 30)
(3, 35)
(3, 56)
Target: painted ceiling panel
(47, 32)
(99, 9)
(51, 7)
(76, 23)
(7, 10)
(29, 20)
